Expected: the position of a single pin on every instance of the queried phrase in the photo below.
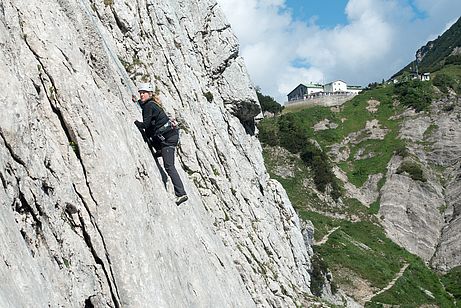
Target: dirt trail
(326, 237)
(390, 285)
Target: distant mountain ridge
(445, 49)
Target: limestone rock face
(411, 211)
(423, 215)
(446, 152)
(85, 217)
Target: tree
(415, 94)
(444, 82)
(268, 103)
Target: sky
(288, 42)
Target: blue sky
(331, 13)
(326, 13)
(288, 42)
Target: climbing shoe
(181, 199)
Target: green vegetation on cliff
(293, 130)
(289, 132)
(268, 103)
(415, 94)
(360, 138)
(357, 251)
(452, 283)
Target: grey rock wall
(446, 152)
(325, 101)
(411, 211)
(85, 216)
(424, 215)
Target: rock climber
(156, 126)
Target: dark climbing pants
(168, 163)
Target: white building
(314, 88)
(354, 89)
(335, 86)
(425, 76)
(309, 91)
(303, 90)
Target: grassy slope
(353, 118)
(361, 247)
(452, 282)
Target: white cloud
(380, 38)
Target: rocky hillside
(380, 179)
(375, 176)
(444, 50)
(422, 213)
(85, 218)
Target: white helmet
(145, 87)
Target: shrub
(319, 164)
(209, 96)
(452, 282)
(448, 108)
(74, 147)
(413, 170)
(453, 59)
(291, 134)
(318, 275)
(374, 208)
(443, 82)
(402, 151)
(372, 85)
(268, 132)
(268, 103)
(415, 94)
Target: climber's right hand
(138, 124)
